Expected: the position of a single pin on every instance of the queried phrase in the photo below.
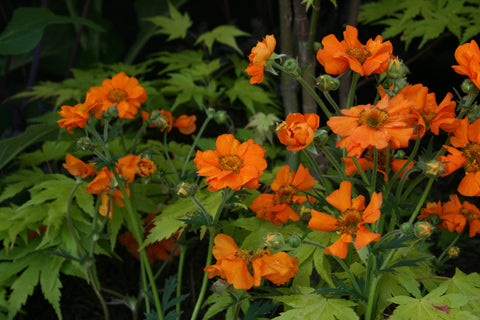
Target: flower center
(374, 117)
(117, 95)
(284, 195)
(348, 221)
(469, 214)
(250, 255)
(231, 163)
(471, 153)
(361, 54)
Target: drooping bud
(406, 228)
(220, 117)
(85, 144)
(291, 66)
(185, 189)
(275, 240)
(294, 241)
(397, 69)
(434, 168)
(468, 86)
(423, 229)
(326, 82)
(219, 286)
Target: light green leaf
(50, 281)
(248, 94)
(25, 29)
(21, 180)
(175, 26)
(467, 285)
(51, 150)
(22, 288)
(179, 60)
(225, 34)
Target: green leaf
(316, 307)
(224, 34)
(25, 29)
(9, 148)
(51, 150)
(22, 288)
(21, 179)
(178, 60)
(175, 26)
(50, 281)
(467, 285)
(249, 95)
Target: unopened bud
(294, 241)
(423, 229)
(434, 168)
(210, 112)
(159, 120)
(397, 69)
(85, 144)
(220, 117)
(406, 228)
(453, 252)
(468, 86)
(321, 137)
(291, 65)
(326, 82)
(275, 240)
(219, 286)
(111, 113)
(185, 189)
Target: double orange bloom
(277, 206)
(234, 264)
(232, 165)
(297, 131)
(351, 222)
(258, 58)
(337, 56)
(468, 58)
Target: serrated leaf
(26, 27)
(225, 34)
(178, 60)
(9, 148)
(467, 285)
(22, 288)
(175, 26)
(21, 180)
(248, 94)
(220, 303)
(51, 150)
(50, 282)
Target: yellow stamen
(374, 117)
(117, 95)
(231, 163)
(284, 195)
(471, 153)
(348, 221)
(250, 255)
(361, 54)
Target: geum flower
(465, 152)
(186, 124)
(277, 207)
(351, 222)
(366, 163)
(232, 165)
(428, 114)
(258, 58)
(122, 91)
(388, 123)
(77, 167)
(366, 59)
(468, 59)
(234, 264)
(73, 117)
(297, 131)
(162, 119)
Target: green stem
(323, 180)
(137, 137)
(167, 155)
(351, 93)
(334, 162)
(440, 258)
(422, 200)
(332, 102)
(181, 263)
(360, 171)
(374, 171)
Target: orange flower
(465, 153)
(160, 118)
(364, 126)
(429, 115)
(186, 124)
(234, 264)
(276, 207)
(351, 221)
(232, 165)
(146, 168)
(297, 131)
(100, 182)
(337, 56)
(366, 163)
(127, 166)
(122, 91)
(159, 250)
(258, 57)
(468, 59)
(73, 117)
(454, 214)
(77, 167)
(117, 197)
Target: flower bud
(210, 112)
(85, 144)
(294, 241)
(453, 252)
(326, 82)
(406, 228)
(275, 240)
(219, 286)
(146, 167)
(159, 120)
(468, 86)
(291, 65)
(111, 113)
(423, 229)
(185, 189)
(397, 69)
(220, 117)
(434, 168)
(321, 137)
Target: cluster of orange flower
(453, 215)
(127, 166)
(159, 250)
(126, 96)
